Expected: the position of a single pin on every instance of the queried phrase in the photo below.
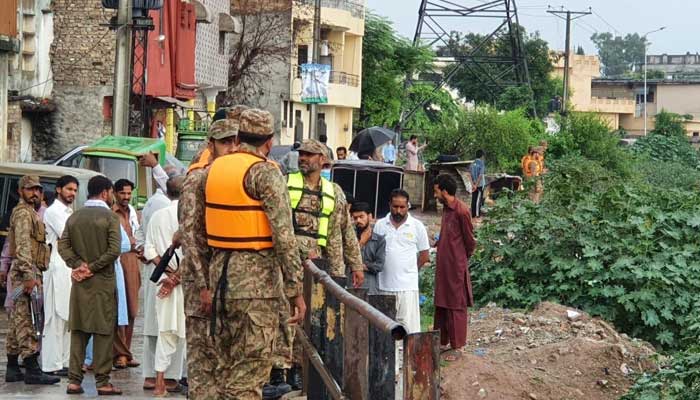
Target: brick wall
(14, 130)
(82, 52)
(82, 56)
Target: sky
(616, 16)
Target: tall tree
(387, 58)
(619, 54)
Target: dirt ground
(548, 354)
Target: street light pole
(645, 75)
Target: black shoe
(294, 378)
(183, 382)
(13, 373)
(34, 376)
(272, 392)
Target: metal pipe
(315, 359)
(374, 316)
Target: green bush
(664, 149)
(669, 124)
(504, 137)
(678, 379)
(589, 136)
(613, 246)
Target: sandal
(174, 389)
(79, 390)
(112, 391)
(452, 355)
(133, 364)
(149, 384)
(164, 394)
(120, 363)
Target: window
(696, 134)
(222, 42)
(285, 113)
(640, 98)
(303, 54)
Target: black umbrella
(367, 140)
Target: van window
(112, 168)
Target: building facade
(675, 65)
(342, 31)
(621, 101)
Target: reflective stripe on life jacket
(234, 220)
(295, 184)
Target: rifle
(35, 301)
(163, 264)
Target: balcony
(612, 106)
(338, 78)
(357, 10)
(343, 89)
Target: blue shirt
(389, 153)
(479, 168)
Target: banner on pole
(314, 83)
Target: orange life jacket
(234, 220)
(202, 162)
(526, 167)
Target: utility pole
(122, 70)
(313, 124)
(567, 16)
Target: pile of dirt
(551, 353)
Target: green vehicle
(116, 157)
(190, 139)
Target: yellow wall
(680, 99)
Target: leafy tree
(504, 137)
(580, 51)
(473, 85)
(669, 124)
(387, 58)
(619, 54)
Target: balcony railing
(343, 78)
(357, 10)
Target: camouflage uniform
(201, 355)
(246, 329)
(341, 249)
(27, 239)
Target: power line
(606, 22)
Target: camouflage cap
(29, 181)
(255, 122)
(235, 111)
(313, 146)
(222, 129)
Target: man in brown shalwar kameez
(132, 272)
(453, 287)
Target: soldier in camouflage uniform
(340, 249)
(232, 113)
(201, 356)
(28, 246)
(249, 282)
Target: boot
(277, 378)
(294, 378)
(34, 375)
(13, 373)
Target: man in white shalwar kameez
(150, 323)
(170, 306)
(55, 353)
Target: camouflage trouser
(287, 349)
(21, 336)
(244, 345)
(201, 360)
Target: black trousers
(477, 201)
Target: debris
(482, 393)
(572, 315)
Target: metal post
(313, 124)
(567, 56)
(122, 70)
(421, 366)
(645, 74)
(382, 352)
(356, 354)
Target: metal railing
(343, 78)
(357, 10)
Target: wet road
(130, 380)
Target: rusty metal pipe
(331, 385)
(374, 316)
